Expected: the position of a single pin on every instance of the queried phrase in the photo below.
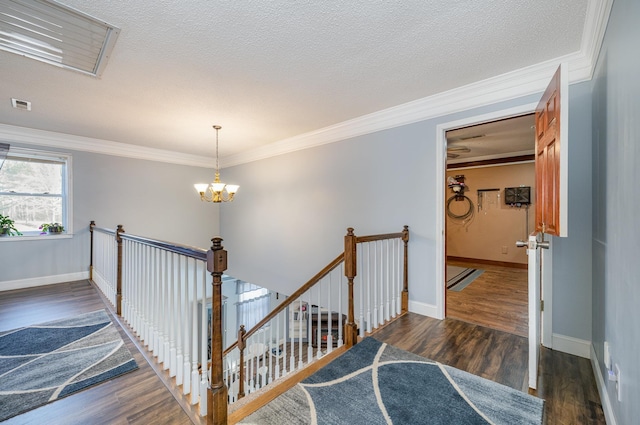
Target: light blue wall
(149, 198)
(293, 210)
(571, 266)
(616, 193)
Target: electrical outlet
(505, 250)
(607, 356)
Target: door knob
(532, 244)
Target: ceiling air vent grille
(50, 32)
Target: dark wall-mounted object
(517, 195)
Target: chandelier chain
(217, 128)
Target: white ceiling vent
(25, 105)
(50, 32)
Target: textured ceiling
(271, 70)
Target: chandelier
(216, 191)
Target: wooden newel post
(405, 272)
(217, 391)
(241, 346)
(350, 266)
(119, 231)
(91, 226)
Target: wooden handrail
(101, 229)
(373, 238)
(304, 288)
(186, 250)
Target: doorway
(442, 190)
(486, 275)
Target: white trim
(35, 237)
(570, 345)
(511, 85)
(609, 417)
(30, 136)
(546, 337)
(441, 159)
(503, 87)
(564, 150)
(423, 309)
(10, 285)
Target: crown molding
(30, 136)
(508, 86)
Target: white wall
(151, 199)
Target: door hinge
(541, 305)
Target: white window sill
(35, 237)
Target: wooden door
(551, 201)
(548, 142)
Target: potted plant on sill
(52, 228)
(7, 226)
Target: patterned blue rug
(375, 383)
(42, 363)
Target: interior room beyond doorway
(486, 165)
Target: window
(253, 304)
(34, 189)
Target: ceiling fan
(455, 151)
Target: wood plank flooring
(566, 382)
(496, 299)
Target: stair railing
(321, 314)
(160, 289)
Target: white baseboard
(424, 309)
(567, 344)
(602, 389)
(42, 281)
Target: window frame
(16, 152)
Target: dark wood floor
(496, 299)
(566, 382)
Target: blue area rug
(375, 383)
(42, 363)
(459, 278)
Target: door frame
(441, 168)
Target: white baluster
(186, 386)
(380, 284)
(172, 314)
(194, 336)
(180, 326)
(204, 327)
(166, 314)
(387, 301)
(400, 271)
(340, 288)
